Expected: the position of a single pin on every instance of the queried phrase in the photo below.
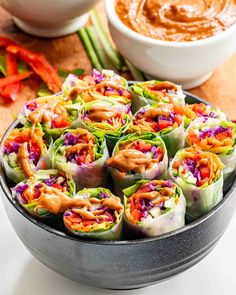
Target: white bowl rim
(116, 22)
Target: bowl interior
(56, 227)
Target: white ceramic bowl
(186, 63)
(49, 18)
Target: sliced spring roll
(106, 84)
(137, 156)
(154, 208)
(82, 155)
(52, 113)
(45, 194)
(98, 217)
(25, 151)
(167, 120)
(147, 93)
(218, 137)
(107, 117)
(196, 110)
(200, 176)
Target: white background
(21, 274)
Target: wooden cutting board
(68, 53)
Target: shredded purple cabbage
(20, 188)
(212, 132)
(72, 78)
(104, 195)
(97, 76)
(32, 106)
(70, 139)
(50, 181)
(34, 157)
(151, 186)
(12, 147)
(167, 183)
(121, 91)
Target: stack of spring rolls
(101, 154)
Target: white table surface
(22, 274)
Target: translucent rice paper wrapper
(159, 170)
(87, 175)
(72, 108)
(167, 222)
(173, 139)
(111, 135)
(142, 97)
(213, 113)
(72, 83)
(39, 177)
(16, 175)
(113, 233)
(199, 200)
(228, 158)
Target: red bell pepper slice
(14, 78)
(10, 92)
(40, 65)
(5, 42)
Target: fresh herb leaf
(3, 67)
(64, 73)
(43, 90)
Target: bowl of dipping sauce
(179, 40)
(49, 18)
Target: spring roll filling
(214, 139)
(197, 167)
(100, 213)
(136, 157)
(24, 148)
(159, 118)
(152, 200)
(50, 194)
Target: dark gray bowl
(120, 264)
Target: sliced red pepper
(14, 78)
(164, 124)
(5, 42)
(40, 65)
(205, 172)
(60, 122)
(11, 91)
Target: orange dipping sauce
(177, 20)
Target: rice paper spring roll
(99, 85)
(149, 92)
(154, 207)
(82, 155)
(99, 215)
(196, 110)
(167, 120)
(216, 136)
(200, 176)
(52, 113)
(106, 117)
(25, 151)
(137, 156)
(47, 193)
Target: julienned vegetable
(45, 194)
(147, 93)
(107, 117)
(216, 136)
(196, 110)
(200, 176)
(101, 85)
(40, 66)
(53, 113)
(167, 120)
(99, 215)
(25, 151)
(137, 156)
(154, 207)
(82, 155)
